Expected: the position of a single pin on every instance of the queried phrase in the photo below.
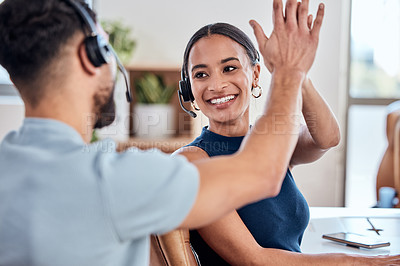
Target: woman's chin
(224, 118)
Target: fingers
(309, 21)
(291, 13)
(318, 21)
(303, 19)
(298, 10)
(303, 14)
(259, 33)
(277, 17)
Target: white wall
(162, 29)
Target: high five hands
(294, 40)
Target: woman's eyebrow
(229, 59)
(199, 66)
(223, 61)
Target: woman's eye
(229, 68)
(199, 75)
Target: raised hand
(294, 40)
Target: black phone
(357, 240)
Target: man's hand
(294, 40)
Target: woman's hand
(294, 40)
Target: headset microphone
(191, 113)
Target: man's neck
(82, 121)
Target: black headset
(99, 51)
(185, 92)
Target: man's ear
(85, 62)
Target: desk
(334, 220)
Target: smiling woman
(222, 66)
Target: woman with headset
(220, 74)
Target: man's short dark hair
(32, 33)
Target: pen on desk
(373, 227)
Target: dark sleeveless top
(277, 222)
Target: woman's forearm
(321, 122)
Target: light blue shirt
(63, 202)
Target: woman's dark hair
(224, 29)
(32, 33)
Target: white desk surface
(325, 220)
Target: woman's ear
(85, 62)
(256, 75)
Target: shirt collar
(50, 128)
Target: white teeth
(223, 99)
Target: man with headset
(66, 202)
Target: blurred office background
(356, 70)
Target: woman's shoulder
(192, 153)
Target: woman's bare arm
(321, 131)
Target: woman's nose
(217, 83)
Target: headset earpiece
(96, 46)
(98, 50)
(186, 90)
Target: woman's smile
(222, 102)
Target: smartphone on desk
(356, 240)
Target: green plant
(95, 136)
(120, 38)
(151, 89)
